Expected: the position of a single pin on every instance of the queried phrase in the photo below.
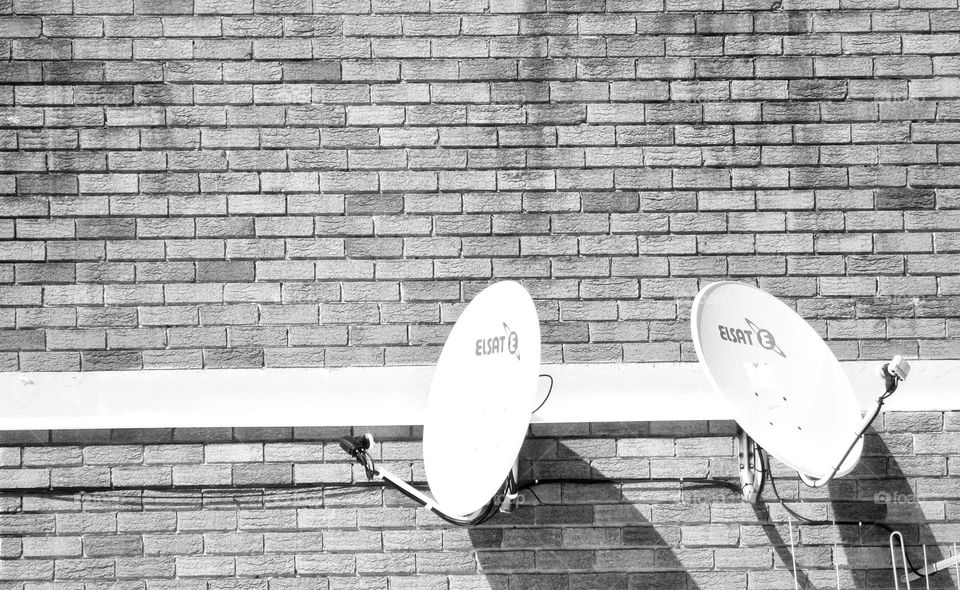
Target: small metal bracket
(899, 367)
(751, 479)
(894, 372)
(511, 493)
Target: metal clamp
(751, 478)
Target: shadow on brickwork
(315, 528)
(672, 536)
(578, 536)
(216, 526)
(878, 497)
(905, 491)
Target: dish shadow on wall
(877, 491)
(574, 536)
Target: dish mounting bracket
(751, 478)
(357, 447)
(511, 491)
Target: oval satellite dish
(481, 397)
(784, 385)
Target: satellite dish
(784, 385)
(479, 405)
(480, 401)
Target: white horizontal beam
(373, 396)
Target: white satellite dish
(784, 385)
(479, 406)
(481, 398)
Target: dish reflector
(481, 398)
(785, 387)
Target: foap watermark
(718, 498)
(885, 497)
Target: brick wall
(217, 528)
(246, 183)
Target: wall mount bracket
(751, 478)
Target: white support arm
(410, 491)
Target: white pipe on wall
(372, 396)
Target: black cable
(535, 495)
(369, 465)
(760, 457)
(812, 522)
(867, 424)
(204, 496)
(704, 482)
(510, 485)
(549, 391)
(489, 511)
(239, 489)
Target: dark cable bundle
(812, 522)
(356, 447)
